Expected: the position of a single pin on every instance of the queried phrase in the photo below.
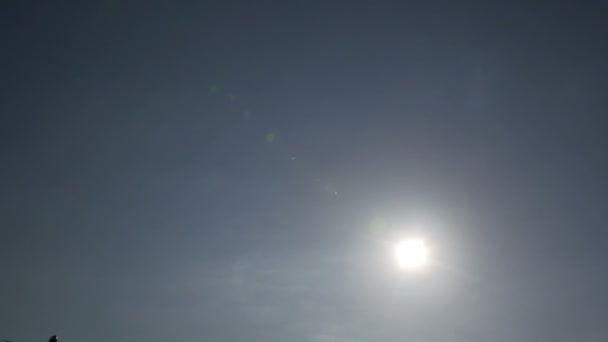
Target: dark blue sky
(219, 171)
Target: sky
(239, 171)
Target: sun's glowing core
(412, 254)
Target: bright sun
(412, 254)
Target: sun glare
(412, 254)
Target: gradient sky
(222, 171)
